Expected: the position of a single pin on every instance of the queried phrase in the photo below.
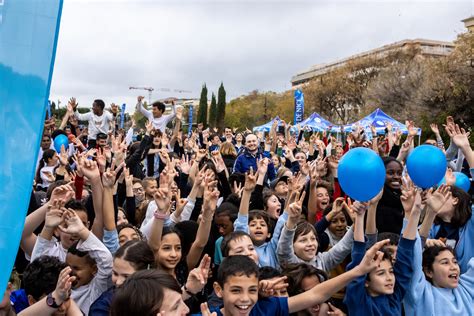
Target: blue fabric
(28, 39)
(423, 298)
(101, 306)
(267, 126)
(272, 306)
(378, 119)
(318, 124)
(465, 246)
(357, 299)
(19, 300)
(217, 251)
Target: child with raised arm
(89, 259)
(299, 243)
(238, 286)
(438, 287)
(381, 291)
(258, 225)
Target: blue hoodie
(465, 246)
(424, 299)
(358, 300)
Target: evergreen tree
(202, 111)
(220, 107)
(213, 112)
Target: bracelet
(188, 291)
(159, 215)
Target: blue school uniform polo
(271, 306)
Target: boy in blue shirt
(238, 285)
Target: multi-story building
(427, 48)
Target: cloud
(106, 46)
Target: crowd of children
(163, 222)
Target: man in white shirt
(99, 120)
(156, 116)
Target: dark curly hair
(41, 275)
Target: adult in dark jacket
(248, 158)
(390, 211)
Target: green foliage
(249, 111)
(220, 107)
(202, 111)
(213, 112)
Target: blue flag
(28, 39)
(299, 107)
(190, 129)
(122, 115)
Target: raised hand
(128, 178)
(375, 200)
(179, 113)
(460, 137)
(211, 195)
(163, 200)
(72, 105)
(63, 193)
(435, 200)
(63, 288)
(218, 161)
(408, 195)
(180, 204)
(450, 177)
(238, 189)
(109, 177)
(185, 166)
(197, 278)
(262, 166)
(54, 214)
(90, 169)
(72, 223)
(250, 180)
(271, 287)
(434, 128)
(372, 258)
(294, 209)
(140, 98)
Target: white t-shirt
(97, 124)
(158, 122)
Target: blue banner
(122, 115)
(190, 129)
(28, 39)
(48, 109)
(299, 107)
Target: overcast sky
(106, 46)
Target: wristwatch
(51, 302)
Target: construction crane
(149, 89)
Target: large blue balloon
(462, 181)
(59, 141)
(426, 165)
(361, 174)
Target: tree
(213, 112)
(220, 107)
(202, 111)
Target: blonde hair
(228, 149)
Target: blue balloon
(60, 140)
(426, 165)
(462, 181)
(361, 174)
